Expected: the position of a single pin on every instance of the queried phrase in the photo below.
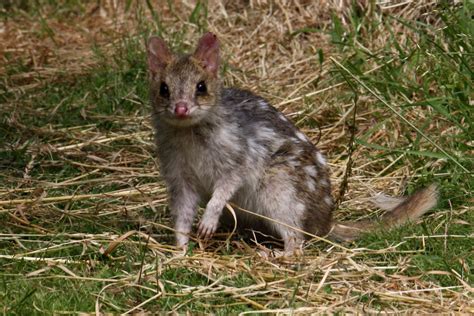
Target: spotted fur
(232, 146)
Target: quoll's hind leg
(278, 200)
(293, 242)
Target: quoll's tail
(399, 211)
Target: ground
(384, 90)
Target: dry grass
(87, 197)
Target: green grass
(441, 253)
(420, 73)
(426, 77)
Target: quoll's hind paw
(289, 253)
(207, 227)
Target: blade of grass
(362, 83)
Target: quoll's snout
(181, 109)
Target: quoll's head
(184, 89)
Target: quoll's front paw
(181, 251)
(207, 227)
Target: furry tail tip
(399, 211)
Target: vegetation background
(384, 88)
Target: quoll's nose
(181, 109)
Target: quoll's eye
(164, 90)
(201, 88)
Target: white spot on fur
(301, 136)
(293, 162)
(295, 140)
(324, 183)
(265, 133)
(262, 104)
(226, 137)
(282, 117)
(328, 200)
(256, 152)
(320, 158)
(300, 208)
(310, 184)
(310, 170)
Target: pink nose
(181, 109)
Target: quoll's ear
(158, 54)
(207, 53)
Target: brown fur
(409, 209)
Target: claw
(206, 229)
(201, 231)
